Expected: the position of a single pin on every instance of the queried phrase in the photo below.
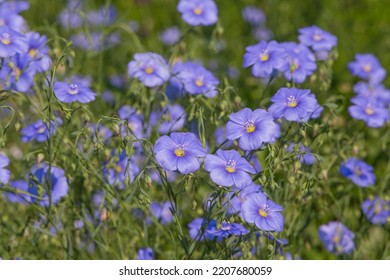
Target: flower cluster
(198, 12)
(358, 171)
(24, 54)
(337, 238)
(372, 101)
(297, 61)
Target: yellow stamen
(230, 169)
(179, 152)
(33, 53)
(263, 213)
(18, 72)
(41, 130)
(250, 128)
(367, 68)
(292, 104)
(118, 169)
(336, 239)
(369, 111)
(317, 37)
(198, 11)
(358, 172)
(199, 82)
(264, 56)
(293, 67)
(5, 41)
(149, 70)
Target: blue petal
(187, 164)
(221, 177)
(167, 159)
(212, 162)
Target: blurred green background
(360, 26)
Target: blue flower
(228, 168)
(300, 62)
(253, 15)
(170, 36)
(73, 92)
(38, 51)
(42, 176)
(150, 68)
(48, 176)
(227, 229)
(193, 78)
(262, 33)
(156, 177)
(15, 197)
(104, 16)
(5, 174)
(171, 118)
(252, 128)
(304, 154)
(263, 212)
(265, 58)
(100, 133)
(14, 7)
(11, 19)
(198, 12)
(377, 92)
(220, 138)
(70, 17)
(95, 40)
(39, 130)
(162, 212)
(377, 210)
(201, 229)
(337, 238)
(120, 169)
(179, 152)
(16, 74)
(369, 110)
(134, 121)
(358, 171)
(11, 42)
(234, 200)
(145, 254)
(367, 67)
(293, 104)
(321, 41)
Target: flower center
(358, 171)
(264, 56)
(73, 89)
(377, 208)
(231, 166)
(33, 53)
(336, 238)
(292, 102)
(199, 82)
(180, 151)
(41, 130)
(226, 226)
(294, 65)
(198, 11)
(118, 168)
(250, 126)
(149, 70)
(367, 68)
(5, 39)
(263, 213)
(18, 72)
(369, 111)
(317, 37)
